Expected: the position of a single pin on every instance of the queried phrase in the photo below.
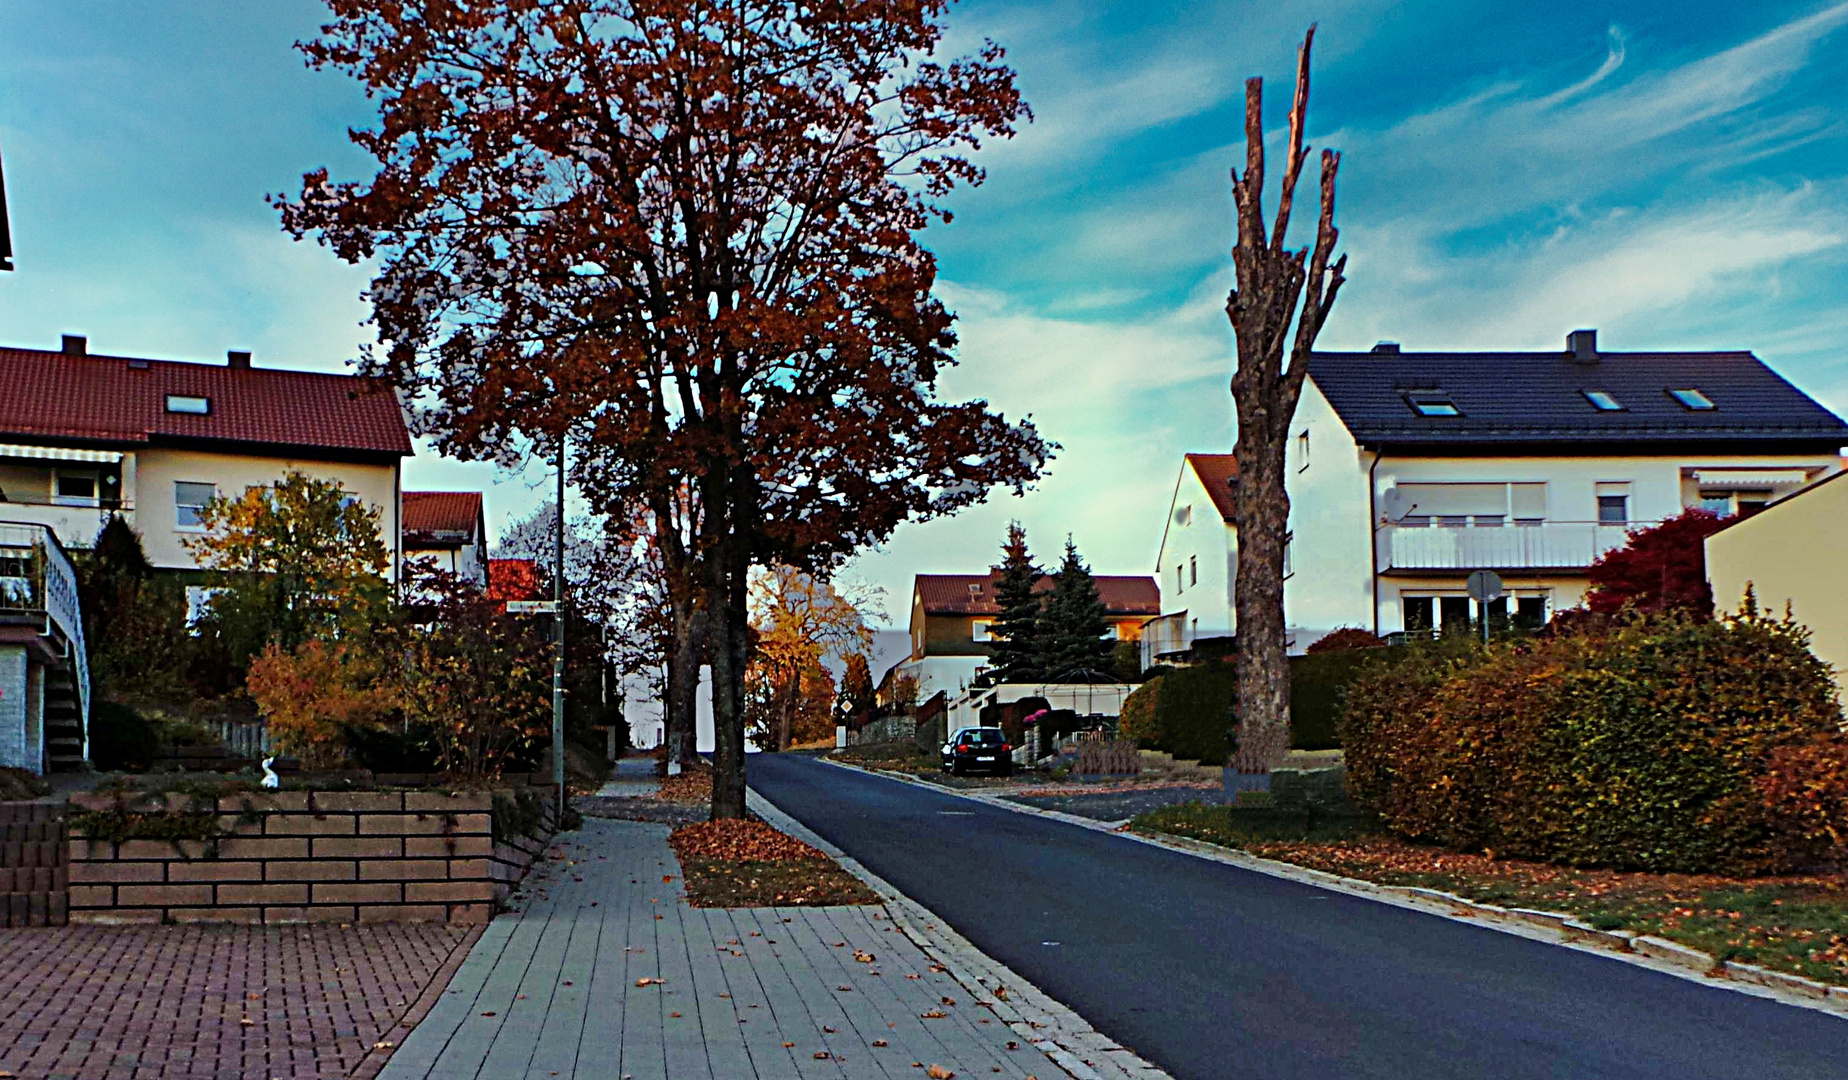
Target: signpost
(532, 607)
(1484, 586)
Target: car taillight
(1006, 747)
(965, 749)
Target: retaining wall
(32, 869)
(299, 857)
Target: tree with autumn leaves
(799, 623)
(680, 236)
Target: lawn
(1797, 924)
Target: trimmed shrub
(1193, 712)
(120, 738)
(1345, 639)
(1137, 720)
(1643, 747)
(1806, 789)
(1317, 683)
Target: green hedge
(1193, 712)
(1317, 682)
(1641, 747)
(1189, 712)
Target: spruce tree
(1074, 641)
(1017, 650)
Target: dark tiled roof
(442, 517)
(1513, 398)
(119, 400)
(1217, 473)
(949, 594)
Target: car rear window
(988, 737)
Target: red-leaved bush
(1343, 638)
(1661, 569)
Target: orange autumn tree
(800, 621)
(310, 697)
(682, 236)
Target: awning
(1751, 478)
(58, 453)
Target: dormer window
(975, 590)
(186, 403)
(1603, 401)
(1693, 399)
(1432, 403)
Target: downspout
(1373, 541)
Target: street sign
(532, 607)
(1484, 586)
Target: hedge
(1193, 721)
(1646, 746)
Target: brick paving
(217, 1002)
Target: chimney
(238, 359)
(1386, 347)
(76, 345)
(1583, 345)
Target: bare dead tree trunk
(1271, 280)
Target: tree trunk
(1262, 505)
(685, 657)
(731, 520)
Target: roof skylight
(1604, 400)
(185, 403)
(1693, 399)
(1432, 403)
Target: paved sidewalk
(631, 778)
(767, 993)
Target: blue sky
(1675, 175)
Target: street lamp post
(558, 623)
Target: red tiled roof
(1217, 472)
(442, 516)
(950, 594)
(113, 399)
(513, 579)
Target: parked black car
(978, 748)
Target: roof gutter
(1373, 541)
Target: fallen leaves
(932, 1014)
(693, 786)
(649, 980)
(737, 840)
(938, 1072)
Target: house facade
(1408, 471)
(84, 438)
(449, 531)
(1791, 555)
(953, 618)
(1198, 560)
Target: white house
(1408, 471)
(1198, 559)
(447, 530)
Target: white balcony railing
(76, 526)
(1549, 545)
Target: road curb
(1067, 1039)
(1551, 927)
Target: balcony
(1561, 546)
(75, 526)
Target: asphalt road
(1213, 972)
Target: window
(1613, 509)
(1418, 614)
(974, 589)
(1180, 582)
(1489, 521)
(1453, 613)
(1693, 399)
(74, 489)
(1530, 612)
(1302, 451)
(1432, 403)
(983, 630)
(189, 499)
(1288, 569)
(186, 403)
(1193, 570)
(1452, 521)
(1415, 521)
(1603, 401)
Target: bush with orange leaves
(312, 696)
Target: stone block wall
(300, 857)
(32, 870)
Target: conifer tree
(1073, 642)
(1017, 651)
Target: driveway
(1213, 971)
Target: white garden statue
(270, 780)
